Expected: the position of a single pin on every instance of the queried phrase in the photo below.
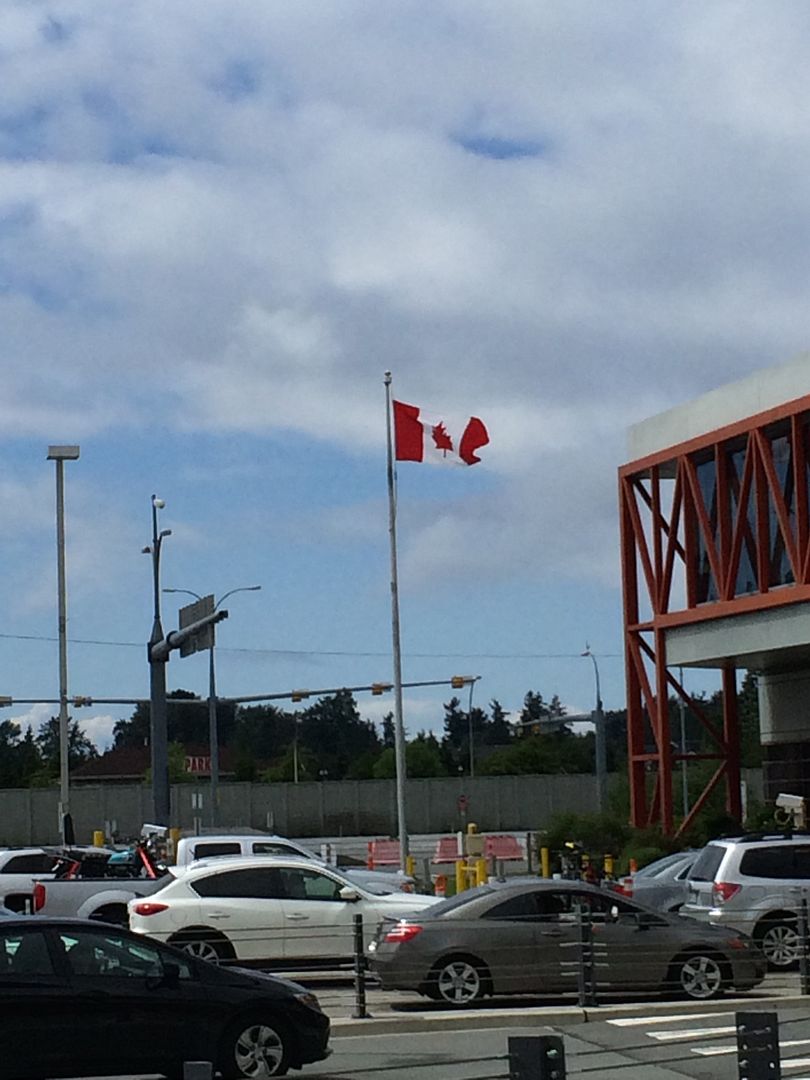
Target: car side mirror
(645, 919)
(348, 893)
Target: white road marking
(639, 1021)
(707, 1051)
(693, 1033)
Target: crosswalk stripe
(639, 1021)
(708, 1051)
(693, 1033)
(796, 1063)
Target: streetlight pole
(158, 734)
(61, 454)
(472, 680)
(600, 749)
(213, 732)
(684, 775)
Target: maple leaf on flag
(441, 439)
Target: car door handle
(298, 917)
(218, 915)
(551, 933)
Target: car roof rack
(753, 837)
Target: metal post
(60, 454)
(213, 733)
(600, 748)
(585, 972)
(470, 730)
(758, 1046)
(360, 1012)
(684, 773)
(400, 761)
(213, 724)
(536, 1057)
(158, 722)
(64, 720)
(804, 947)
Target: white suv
(754, 884)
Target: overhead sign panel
(193, 613)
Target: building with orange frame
(715, 549)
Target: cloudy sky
(221, 222)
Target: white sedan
(273, 911)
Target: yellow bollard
(410, 865)
(174, 837)
(608, 867)
(461, 876)
(545, 862)
(98, 838)
(481, 875)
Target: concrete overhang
(765, 389)
(777, 640)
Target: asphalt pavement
(662, 1041)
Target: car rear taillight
(723, 891)
(403, 932)
(39, 896)
(623, 886)
(148, 908)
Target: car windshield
(653, 869)
(457, 901)
(707, 863)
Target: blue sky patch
(501, 149)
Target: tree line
(330, 740)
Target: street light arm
(243, 588)
(188, 592)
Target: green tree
(423, 756)
(187, 724)
(80, 748)
(333, 732)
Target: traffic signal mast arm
(161, 649)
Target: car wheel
(255, 1047)
(779, 941)
(700, 976)
(204, 945)
(459, 981)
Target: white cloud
(235, 223)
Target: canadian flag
(419, 437)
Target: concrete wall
(345, 808)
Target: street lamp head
(164, 532)
(158, 504)
(147, 550)
(63, 453)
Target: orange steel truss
(711, 528)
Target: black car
(78, 998)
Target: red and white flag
(419, 437)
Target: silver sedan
(524, 939)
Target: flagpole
(399, 729)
